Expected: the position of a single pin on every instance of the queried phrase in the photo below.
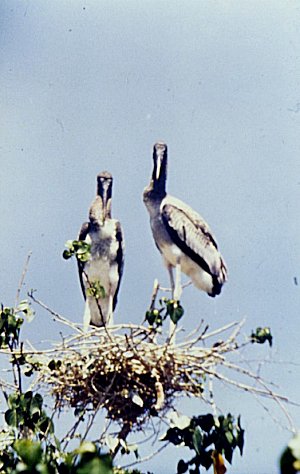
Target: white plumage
(103, 271)
(181, 234)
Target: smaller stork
(181, 235)
(103, 271)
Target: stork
(181, 235)
(103, 271)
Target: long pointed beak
(104, 206)
(158, 166)
(160, 149)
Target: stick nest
(130, 374)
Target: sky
(87, 86)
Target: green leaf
(261, 335)
(29, 451)
(206, 422)
(79, 248)
(95, 466)
(86, 447)
(13, 400)
(27, 397)
(240, 436)
(175, 310)
(11, 417)
(197, 440)
(230, 438)
(287, 461)
(38, 400)
(45, 425)
(174, 435)
(67, 254)
(154, 317)
(96, 290)
(70, 244)
(228, 452)
(182, 467)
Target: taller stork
(100, 276)
(181, 235)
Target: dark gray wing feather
(85, 228)
(193, 236)
(119, 260)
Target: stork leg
(178, 287)
(176, 294)
(172, 327)
(170, 270)
(86, 316)
(110, 316)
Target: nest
(132, 375)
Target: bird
(181, 235)
(100, 276)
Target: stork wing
(82, 236)
(192, 235)
(119, 259)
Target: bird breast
(103, 266)
(104, 244)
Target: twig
(91, 421)
(248, 388)
(169, 290)
(122, 436)
(70, 434)
(211, 396)
(55, 315)
(154, 294)
(146, 458)
(25, 269)
(224, 328)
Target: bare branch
(25, 269)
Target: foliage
(30, 456)
(26, 414)
(290, 458)
(78, 248)
(132, 376)
(171, 308)
(11, 320)
(261, 335)
(96, 290)
(27, 442)
(205, 435)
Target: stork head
(157, 186)
(160, 155)
(101, 206)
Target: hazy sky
(91, 85)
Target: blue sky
(91, 85)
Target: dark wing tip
(119, 260)
(84, 230)
(219, 280)
(82, 236)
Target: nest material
(130, 374)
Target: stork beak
(104, 206)
(160, 149)
(158, 166)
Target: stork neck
(158, 191)
(159, 184)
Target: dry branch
(133, 372)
